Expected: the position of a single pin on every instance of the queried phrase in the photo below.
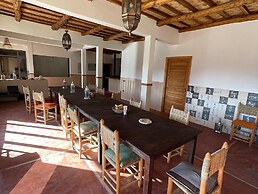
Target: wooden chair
(29, 103)
(182, 117)
(117, 156)
(136, 104)
(65, 119)
(100, 91)
(82, 133)
(192, 180)
(116, 96)
(43, 111)
(238, 123)
(92, 87)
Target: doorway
(177, 73)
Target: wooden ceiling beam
(205, 12)
(93, 30)
(17, 9)
(133, 40)
(112, 37)
(223, 22)
(177, 12)
(62, 21)
(211, 3)
(244, 9)
(192, 8)
(115, 2)
(154, 3)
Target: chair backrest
(116, 96)
(100, 91)
(179, 115)
(38, 97)
(62, 104)
(75, 122)
(92, 87)
(73, 116)
(26, 90)
(136, 104)
(246, 109)
(110, 138)
(213, 163)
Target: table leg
(191, 151)
(148, 172)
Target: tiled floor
(36, 158)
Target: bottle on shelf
(64, 84)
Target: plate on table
(118, 111)
(145, 121)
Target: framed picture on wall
(91, 66)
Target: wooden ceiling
(25, 11)
(189, 15)
(184, 15)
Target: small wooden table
(148, 141)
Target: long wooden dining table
(148, 141)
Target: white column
(29, 59)
(148, 63)
(83, 67)
(99, 67)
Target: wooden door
(177, 72)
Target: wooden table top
(149, 141)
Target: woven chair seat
(87, 127)
(188, 175)
(127, 156)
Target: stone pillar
(148, 63)
(99, 67)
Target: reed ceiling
(24, 11)
(189, 15)
(184, 15)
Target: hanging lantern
(131, 14)
(66, 40)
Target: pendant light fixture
(66, 40)
(7, 43)
(131, 14)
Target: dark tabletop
(153, 140)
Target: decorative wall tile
(230, 110)
(189, 100)
(209, 91)
(223, 100)
(195, 95)
(208, 105)
(233, 101)
(190, 89)
(200, 102)
(233, 94)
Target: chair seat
(47, 105)
(245, 124)
(190, 176)
(127, 156)
(87, 127)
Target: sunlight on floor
(48, 142)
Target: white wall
(132, 60)
(224, 57)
